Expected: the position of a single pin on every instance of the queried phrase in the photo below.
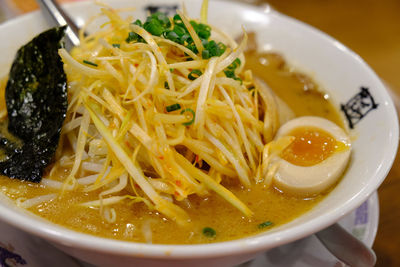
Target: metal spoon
(58, 16)
(346, 247)
(337, 240)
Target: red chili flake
(128, 144)
(176, 193)
(161, 157)
(178, 183)
(197, 158)
(137, 186)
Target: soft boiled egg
(315, 159)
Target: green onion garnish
(192, 47)
(209, 232)
(166, 86)
(238, 79)
(192, 120)
(154, 27)
(229, 73)
(180, 31)
(160, 17)
(177, 20)
(175, 30)
(90, 63)
(236, 63)
(116, 45)
(138, 22)
(265, 224)
(171, 35)
(212, 49)
(173, 107)
(157, 24)
(133, 37)
(194, 74)
(230, 70)
(205, 54)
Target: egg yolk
(310, 146)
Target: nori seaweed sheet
(36, 100)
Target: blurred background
(370, 28)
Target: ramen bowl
(354, 87)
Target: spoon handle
(346, 247)
(61, 18)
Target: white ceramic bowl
(341, 72)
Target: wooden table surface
(372, 29)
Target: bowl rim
(256, 243)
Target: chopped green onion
(90, 63)
(188, 39)
(161, 18)
(159, 24)
(179, 30)
(209, 232)
(138, 22)
(202, 30)
(132, 36)
(204, 34)
(177, 20)
(213, 48)
(238, 79)
(236, 63)
(116, 45)
(192, 120)
(173, 107)
(192, 47)
(194, 74)
(171, 35)
(154, 27)
(229, 73)
(222, 48)
(264, 224)
(205, 54)
(166, 86)
(230, 70)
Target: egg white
(311, 180)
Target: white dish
(336, 68)
(307, 252)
